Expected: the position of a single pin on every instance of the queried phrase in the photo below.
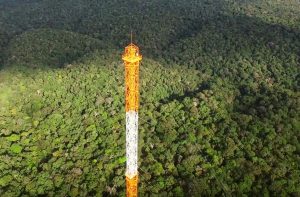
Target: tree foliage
(219, 112)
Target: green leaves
(13, 138)
(91, 128)
(5, 180)
(122, 160)
(48, 47)
(228, 127)
(15, 148)
(157, 169)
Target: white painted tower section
(131, 143)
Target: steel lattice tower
(131, 58)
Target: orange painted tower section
(131, 58)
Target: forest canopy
(219, 107)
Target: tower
(131, 58)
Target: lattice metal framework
(132, 58)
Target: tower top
(132, 54)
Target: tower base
(132, 186)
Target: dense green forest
(219, 107)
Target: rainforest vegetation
(219, 107)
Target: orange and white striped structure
(132, 58)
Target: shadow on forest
(249, 30)
(49, 48)
(180, 98)
(239, 30)
(236, 39)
